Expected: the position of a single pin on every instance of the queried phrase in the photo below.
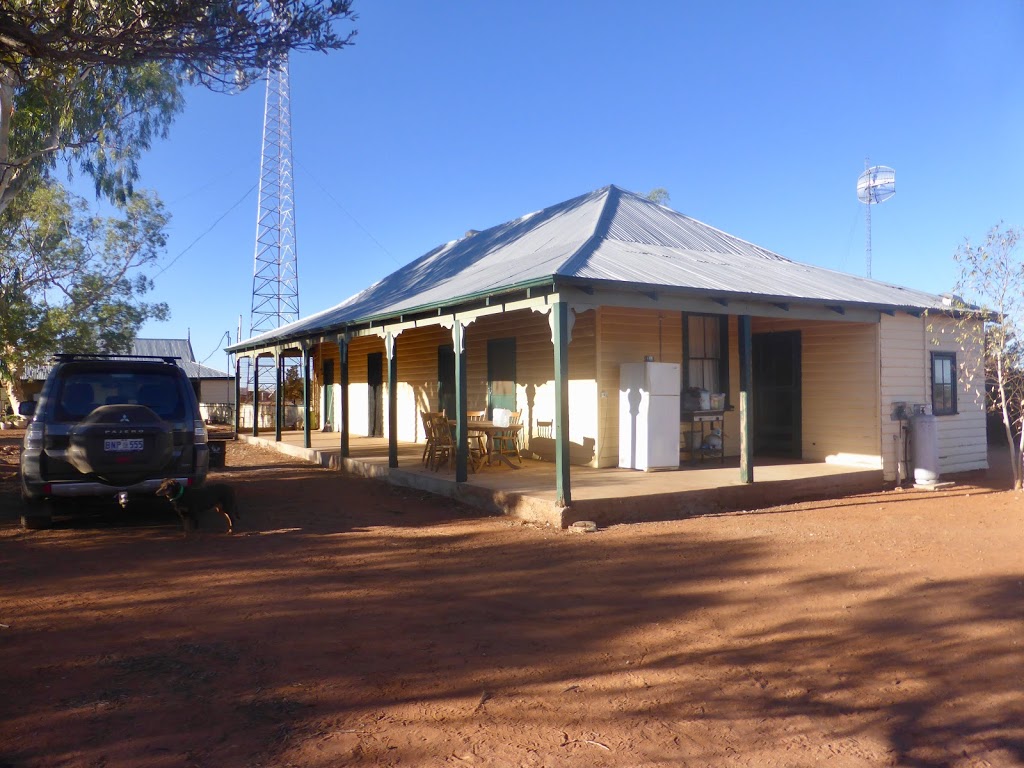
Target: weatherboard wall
(838, 389)
(628, 336)
(852, 373)
(417, 355)
(906, 344)
(963, 438)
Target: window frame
(951, 409)
(723, 353)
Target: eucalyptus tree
(991, 276)
(72, 280)
(95, 82)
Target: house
(215, 389)
(539, 313)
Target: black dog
(190, 502)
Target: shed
(211, 385)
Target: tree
(991, 276)
(71, 281)
(97, 81)
(659, 195)
(100, 119)
(292, 391)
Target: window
(705, 352)
(943, 383)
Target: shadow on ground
(362, 625)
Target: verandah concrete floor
(605, 496)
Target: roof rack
(64, 357)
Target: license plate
(123, 445)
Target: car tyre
(38, 515)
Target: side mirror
(27, 408)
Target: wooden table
(491, 431)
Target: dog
(190, 502)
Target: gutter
(451, 306)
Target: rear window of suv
(83, 391)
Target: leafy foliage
(292, 391)
(96, 82)
(101, 119)
(659, 195)
(220, 43)
(71, 281)
(992, 276)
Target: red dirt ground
(354, 624)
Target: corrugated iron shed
(608, 236)
(179, 348)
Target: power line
(227, 334)
(208, 229)
(216, 178)
(344, 210)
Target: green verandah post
(560, 337)
(746, 402)
(343, 341)
(306, 439)
(462, 436)
(389, 346)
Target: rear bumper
(75, 489)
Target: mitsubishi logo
(125, 419)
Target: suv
(109, 426)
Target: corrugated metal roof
(180, 348)
(610, 235)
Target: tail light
(199, 431)
(34, 436)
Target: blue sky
(757, 118)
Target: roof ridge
(608, 208)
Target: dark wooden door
(446, 380)
(375, 393)
(777, 413)
(328, 371)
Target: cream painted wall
(839, 389)
(416, 352)
(852, 374)
(906, 344)
(216, 390)
(628, 336)
(840, 381)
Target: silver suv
(109, 426)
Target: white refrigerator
(649, 416)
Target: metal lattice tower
(275, 282)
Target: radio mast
(275, 282)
